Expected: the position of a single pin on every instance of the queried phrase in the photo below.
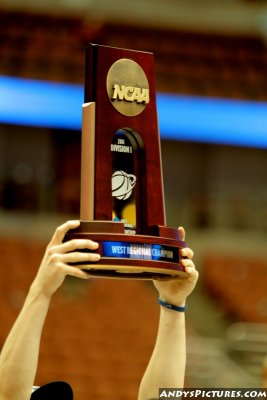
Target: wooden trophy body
(122, 200)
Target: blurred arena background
(99, 334)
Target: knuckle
(55, 258)
(59, 229)
(49, 251)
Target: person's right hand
(55, 264)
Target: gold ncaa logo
(127, 87)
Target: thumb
(182, 232)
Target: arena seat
(52, 47)
(239, 285)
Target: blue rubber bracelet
(172, 306)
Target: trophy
(122, 201)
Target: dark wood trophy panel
(122, 199)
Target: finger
(77, 257)
(192, 272)
(187, 263)
(182, 232)
(76, 272)
(75, 244)
(187, 252)
(62, 230)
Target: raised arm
(19, 356)
(166, 367)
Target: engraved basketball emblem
(122, 185)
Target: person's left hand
(176, 290)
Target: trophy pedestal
(155, 255)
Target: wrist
(176, 302)
(37, 292)
(171, 306)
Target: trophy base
(155, 255)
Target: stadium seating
(52, 48)
(239, 285)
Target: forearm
(19, 356)
(166, 367)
